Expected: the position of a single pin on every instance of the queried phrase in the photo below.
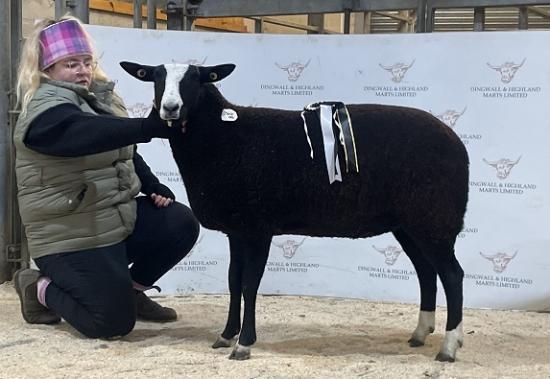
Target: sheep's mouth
(177, 122)
(176, 118)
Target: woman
(78, 175)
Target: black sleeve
(149, 182)
(143, 171)
(65, 130)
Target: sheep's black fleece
(256, 173)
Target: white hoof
(240, 352)
(452, 342)
(425, 326)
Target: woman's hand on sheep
(154, 126)
(161, 201)
(160, 194)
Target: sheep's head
(177, 85)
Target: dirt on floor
(298, 337)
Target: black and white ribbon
(334, 118)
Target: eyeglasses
(78, 66)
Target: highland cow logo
(289, 247)
(294, 69)
(391, 253)
(139, 110)
(503, 166)
(450, 117)
(191, 61)
(500, 260)
(507, 70)
(397, 70)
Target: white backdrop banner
(491, 88)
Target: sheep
(253, 176)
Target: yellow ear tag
(213, 76)
(141, 73)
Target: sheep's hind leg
(233, 324)
(253, 252)
(427, 279)
(441, 255)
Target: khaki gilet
(74, 203)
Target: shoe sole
(19, 274)
(18, 288)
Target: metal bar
(189, 10)
(5, 84)
(479, 19)
(188, 23)
(430, 18)
(5, 52)
(81, 10)
(138, 14)
(16, 228)
(347, 21)
(78, 8)
(523, 18)
(540, 12)
(227, 8)
(60, 8)
(406, 22)
(483, 3)
(294, 25)
(174, 15)
(399, 16)
(421, 16)
(258, 25)
(317, 20)
(151, 14)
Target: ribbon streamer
(329, 142)
(334, 119)
(347, 139)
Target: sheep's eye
(141, 73)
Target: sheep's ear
(139, 71)
(210, 74)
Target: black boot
(148, 310)
(33, 312)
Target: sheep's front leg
(251, 252)
(233, 325)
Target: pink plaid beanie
(61, 40)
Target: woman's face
(77, 69)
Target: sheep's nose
(170, 107)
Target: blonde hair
(29, 73)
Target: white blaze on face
(171, 101)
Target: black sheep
(253, 178)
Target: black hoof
(415, 343)
(221, 342)
(239, 355)
(444, 358)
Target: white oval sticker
(229, 115)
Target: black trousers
(92, 289)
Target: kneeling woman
(78, 175)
